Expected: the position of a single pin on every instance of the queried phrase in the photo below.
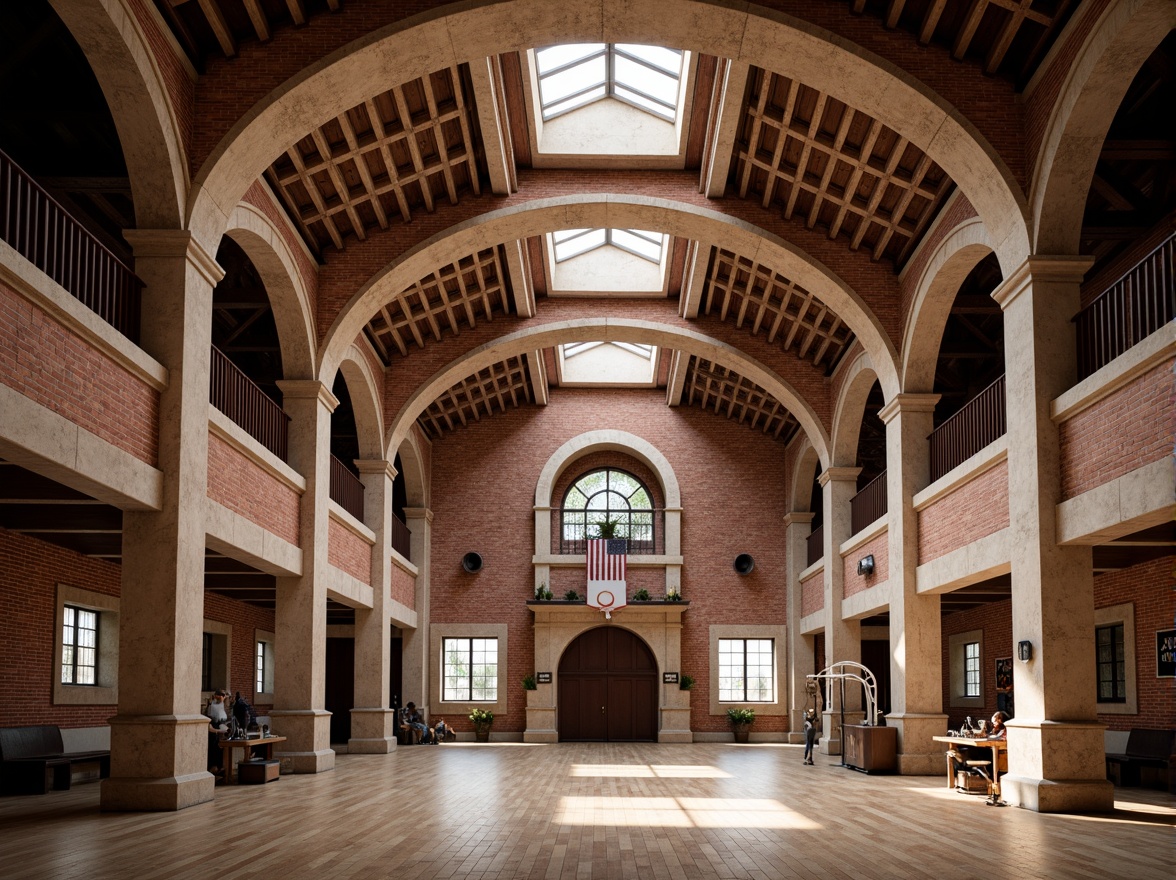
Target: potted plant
(571, 596)
(482, 719)
(641, 595)
(542, 594)
(741, 721)
(529, 683)
(674, 596)
(607, 529)
(686, 682)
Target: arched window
(608, 495)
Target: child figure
(810, 733)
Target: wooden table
(266, 742)
(997, 746)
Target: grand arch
(365, 403)
(771, 40)
(849, 408)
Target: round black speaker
(744, 563)
(472, 562)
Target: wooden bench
(28, 755)
(1145, 748)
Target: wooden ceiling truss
(724, 392)
(211, 27)
(506, 384)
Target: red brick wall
(403, 587)
(248, 489)
(856, 583)
(245, 621)
(58, 370)
(996, 620)
(812, 594)
(1149, 587)
(975, 510)
(181, 89)
(349, 552)
(1123, 431)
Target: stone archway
(613, 669)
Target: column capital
(418, 513)
(308, 389)
(838, 475)
(909, 403)
(147, 243)
(376, 466)
(1066, 269)
(798, 518)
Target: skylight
(572, 349)
(639, 242)
(607, 363)
(574, 75)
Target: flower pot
(742, 731)
(482, 733)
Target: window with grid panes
(79, 646)
(747, 671)
(1112, 673)
(470, 670)
(259, 669)
(972, 669)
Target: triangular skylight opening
(577, 74)
(641, 243)
(607, 363)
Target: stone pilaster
(1055, 742)
(797, 528)
(300, 619)
(417, 665)
(158, 738)
(373, 728)
(916, 653)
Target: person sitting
(442, 732)
(218, 721)
(999, 731)
(415, 723)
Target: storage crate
(971, 783)
(257, 772)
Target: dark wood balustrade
(868, 504)
(816, 545)
(1131, 309)
(46, 235)
(401, 538)
(645, 530)
(346, 489)
(980, 421)
(239, 398)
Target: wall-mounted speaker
(472, 562)
(744, 563)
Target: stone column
(158, 741)
(300, 619)
(843, 638)
(797, 528)
(417, 662)
(1055, 742)
(916, 650)
(373, 729)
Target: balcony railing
(645, 530)
(1131, 309)
(401, 538)
(816, 545)
(239, 398)
(868, 504)
(346, 489)
(978, 423)
(45, 234)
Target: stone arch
(850, 408)
(804, 471)
(365, 403)
(271, 256)
(767, 39)
(412, 466)
(1125, 35)
(123, 62)
(957, 255)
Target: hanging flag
(606, 574)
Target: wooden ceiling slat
(220, 27)
(964, 37)
(258, 18)
(721, 390)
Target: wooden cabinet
(872, 749)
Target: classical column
(797, 528)
(843, 638)
(417, 665)
(1055, 742)
(916, 650)
(300, 619)
(373, 728)
(158, 742)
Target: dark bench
(1145, 748)
(29, 754)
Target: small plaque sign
(669, 678)
(543, 678)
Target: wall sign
(543, 678)
(669, 678)
(1166, 653)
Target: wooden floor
(585, 811)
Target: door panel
(581, 708)
(613, 670)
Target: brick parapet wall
(1124, 431)
(244, 487)
(812, 594)
(403, 587)
(57, 369)
(349, 552)
(977, 509)
(853, 582)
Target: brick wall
(976, 509)
(246, 620)
(812, 594)
(58, 370)
(246, 488)
(855, 583)
(403, 587)
(257, 196)
(996, 620)
(181, 89)
(349, 552)
(1123, 431)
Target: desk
(227, 745)
(997, 746)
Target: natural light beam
(643, 771)
(665, 812)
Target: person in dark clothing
(810, 734)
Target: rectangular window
(470, 670)
(79, 646)
(260, 676)
(972, 669)
(1112, 670)
(747, 671)
(206, 663)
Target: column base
(372, 731)
(157, 762)
(540, 723)
(1057, 767)
(918, 753)
(675, 725)
(1059, 795)
(307, 748)
(130, 794)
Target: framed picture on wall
(1166, 653)
(1004, 674)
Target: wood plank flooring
(584, 811)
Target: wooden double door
(608, 688)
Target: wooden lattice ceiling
(716, 388)
(452, 297)
(761, 300)
(489, 391)
(401, 151)
(834, 168)
(212, 27)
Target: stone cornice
(908, 403)
(418, 513)
(1067, 269)
(798, 518)
(148, 243)
(375, 466)
(308, 389)
(838, 474)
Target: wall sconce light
(1025, 651)
(744, 563)
(866, 565)
(472, 562)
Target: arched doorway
(608, 688)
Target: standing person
(414, 721)
(217, 719)
(810, 734)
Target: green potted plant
(607, 529)
(482, 719)
(741, 721)
(571, 596)
(529, 683)
(542, 594)
(674, 596)
(686, 682)
(641, 595)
